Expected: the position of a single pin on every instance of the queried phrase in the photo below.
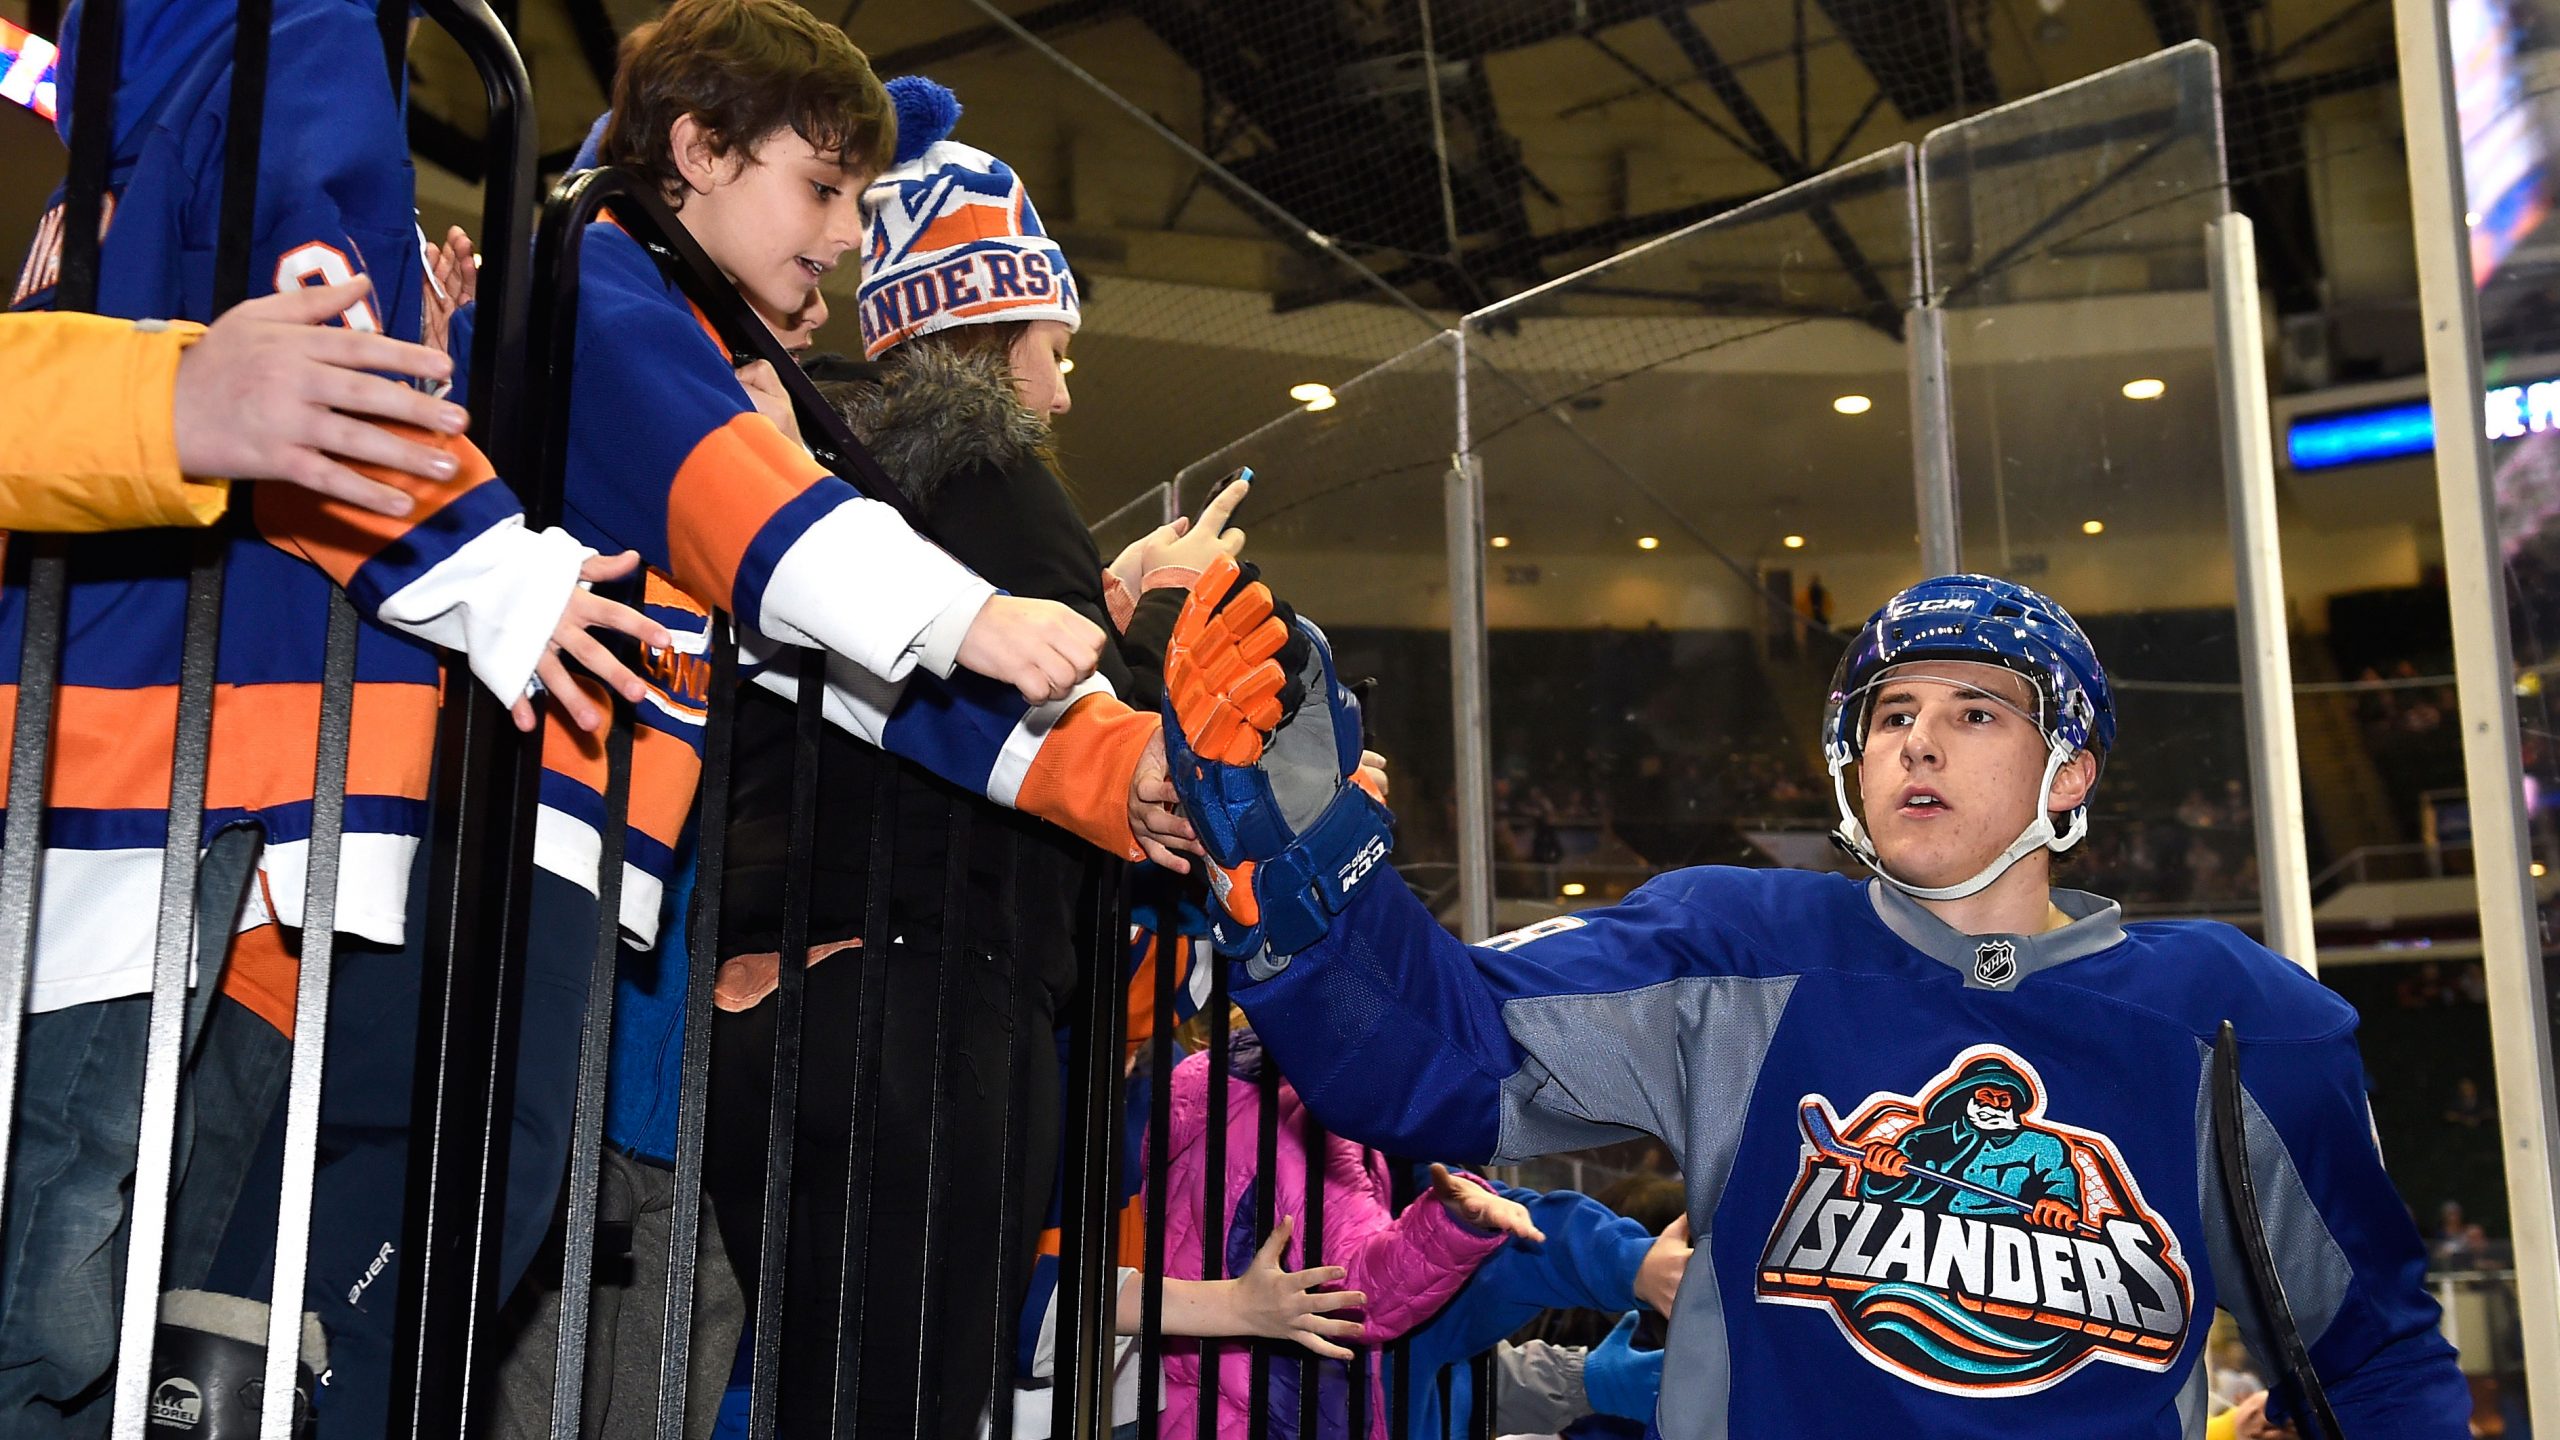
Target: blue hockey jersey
(1950, 1185)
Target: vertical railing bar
(782, 1116)
(310, 1021)
(1107, 1015)
(956, 920)
(1266, 1206)
(862, 1128)
(1160, 1051)
(702, 944)
(1311, 1255)
(480, 841)
(1480, 1414)
(1402, 1191)
(1213, 1186)
(586, 1132)
(174, 956)
(1008, 1298)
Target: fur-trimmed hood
(932, 411)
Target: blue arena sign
(2390, 432)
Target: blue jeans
(69, 1193)
(79, 1106)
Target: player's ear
(2073, 782)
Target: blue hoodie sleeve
(1588, 1262)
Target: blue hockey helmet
(1979, 620)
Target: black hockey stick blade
(2240, 1188)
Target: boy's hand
(1284, 1305)
(1155, 814)
(1471, 1204)
(453, 281)
(771, 400)
(1665, 1264)
(588, 611)
(275, 392)
(1038, 647)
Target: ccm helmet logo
(1358, 867)
(1925, 607)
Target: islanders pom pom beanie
(952, 238)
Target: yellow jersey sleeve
(96, 448)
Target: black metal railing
(486, 787)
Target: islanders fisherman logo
(1965, 1241)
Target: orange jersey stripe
(113, 747)
(340, 538)
(723, 495)
(1080, 779)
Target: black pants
(922, 1328)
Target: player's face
(1951, 769)
(775, 217)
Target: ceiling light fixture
(2145, 389)
(1648, 542)
(1500, 542)
(2093, 527)
(1793, 542)
(1573, 889)
(1066, 366)
(1310, 392)
(1853, 404)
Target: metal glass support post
(2266, 659)
(2484, 664)
(1933, 444)
(1470, 705)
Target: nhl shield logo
(1995, 962)
(1967, 1242)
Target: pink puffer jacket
(1408, 1265)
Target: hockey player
(1944, 1131)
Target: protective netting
(1348, 521)
(1670, 548)
(1263, 196)
(2066, 241)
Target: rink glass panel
(1681, 514)
(1346, 521)
(2511, 138)
(2067, 251)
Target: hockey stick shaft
(1826, 1138)
(2240, 1186)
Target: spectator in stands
(2468, 1108)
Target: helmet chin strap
(2038, 835)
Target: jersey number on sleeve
(319, 263)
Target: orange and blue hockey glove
(1263, 740)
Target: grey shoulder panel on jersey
(2308, 1258)
(1677, 1060)
(1672, 1060)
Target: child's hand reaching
(1471, 1204)
(589, 611)
(1284, 1304)
(1665, 1264)
(1155, 816)
(1181, 550)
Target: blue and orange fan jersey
(334, 201)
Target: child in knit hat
(967, 307)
